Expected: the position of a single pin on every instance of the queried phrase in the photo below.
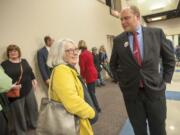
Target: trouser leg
(156, 113)
(137, 114)
(3, 124)
(18, 124)
(91, 89)
(31, 110)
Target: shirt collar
(48, 48)
(138, 30)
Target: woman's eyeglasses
(76, 50)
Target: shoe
(114, 81)
(99, 110)
(103, 84)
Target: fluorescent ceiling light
(156, 18)
(158, 6)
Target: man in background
(97, 64)
(42, 56)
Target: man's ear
(139, 18)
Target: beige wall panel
(26, 22)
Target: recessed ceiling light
(171, 127)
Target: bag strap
(75, 76)
(50, 85)
(21, 73)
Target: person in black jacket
(105, 63)
(97, 64)
(23, 109)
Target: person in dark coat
(135, 60)
(97, 64)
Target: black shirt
(13, 70)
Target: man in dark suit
(42, 55)
(135, 59)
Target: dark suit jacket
(123, 64)
(42, 59)
(171, 46)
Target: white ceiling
(148, 7)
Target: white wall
(26, 22)
(170, 27)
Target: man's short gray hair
(135, 10)
(56, 53)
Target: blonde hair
(102, 49)
(82, 44)
(56, 53)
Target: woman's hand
(16, 86)
(47, 82)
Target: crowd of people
(135, 65)
(20, 111)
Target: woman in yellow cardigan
(66, 87)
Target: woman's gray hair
(56, 53)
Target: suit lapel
(145, 42)
(146, 46)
